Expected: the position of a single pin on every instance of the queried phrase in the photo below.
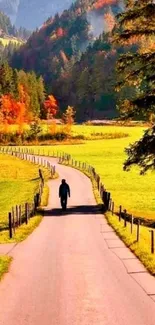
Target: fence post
(131, 224)
(113, 205)
(125, 216)
(110, 204)
(17, 215)
(13, 220)
(138, 226)
(20, 214)
(10, 224)
(26, 213)
(152, 241)
(120, 212)
(108, 200)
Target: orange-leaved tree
(12, 111)
(50, 107)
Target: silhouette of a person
(64, 192)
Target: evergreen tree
(136, 69)
(6, 79)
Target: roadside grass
(141, 249)
(4, 265)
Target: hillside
(56, 48)
(61, 38)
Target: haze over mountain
(32, 13)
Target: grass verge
(4, 265)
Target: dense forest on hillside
(77, 52)
(31, 14)
(58, 51)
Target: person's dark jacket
(64, 190)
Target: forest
(102, 75)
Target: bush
(59, 136)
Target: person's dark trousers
(64, 202)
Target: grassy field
(18, 182)
(129, 189)
(6, 41)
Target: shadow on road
(79, 209)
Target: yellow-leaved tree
(69, 118)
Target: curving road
(73, 270)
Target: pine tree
(136, 69)
(137, 26)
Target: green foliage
(142, 152)
(34, 131)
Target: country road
(73, 269)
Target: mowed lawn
(134, 192)
(18, 183)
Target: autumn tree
(50, 107)
(69, 118)
(11, 111)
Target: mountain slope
(56, 51)
(62, 37)
(31, 14)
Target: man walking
(64, 192)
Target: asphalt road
(65, 273)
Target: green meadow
(129, 189)
(6, 41)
